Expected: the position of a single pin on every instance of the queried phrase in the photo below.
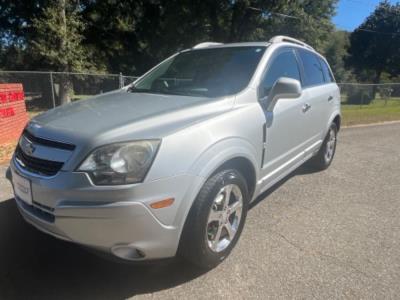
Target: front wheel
(216, 219)
(325, 155)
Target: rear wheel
(216, 219)
(325, 155)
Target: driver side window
(283, 65)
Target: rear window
(312, 68)
(327, 72)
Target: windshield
(213, 72)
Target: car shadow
(303, 170)
(34, 265)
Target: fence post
(362, 100)
(52, 89)
(121, 80)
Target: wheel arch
(337, 120)
(230, 153)
(235, 153)
(334, 118)
(245, 167)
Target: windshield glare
(213, 72)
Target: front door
(285, 132)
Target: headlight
(120, 163)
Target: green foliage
(374, 45)
(139, 34)
(58, 38)
(336, 53)
(312, 22)
(131, 36)
(358, 95)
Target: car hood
(121, 115)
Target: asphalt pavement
(332, 234)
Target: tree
(336, 53)
(131, 36)
(306, 20)
(374, 45)
(135, 35)
(58, 42)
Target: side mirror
(284, 87)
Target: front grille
(37, 165)
(49, 143)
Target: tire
(325, 155)
(206, 242)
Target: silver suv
(169, 164)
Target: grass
(375, 112)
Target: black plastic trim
(46, 142)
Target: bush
(359, 95)
(396, 91)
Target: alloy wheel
(224, 217)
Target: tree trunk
(65, 88)
(234, 22)
(215, 30)
(65, 84)
(377, 80)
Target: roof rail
(282, 38)
(206, 45)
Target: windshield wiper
(134, 89)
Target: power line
(338, 25)
(273, 13)
(379, 32)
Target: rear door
(332, 91)
(317, 95)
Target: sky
(351, 13)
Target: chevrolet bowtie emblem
(28, 146)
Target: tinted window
(283, 65)
(312, 68)
(327, 72)
(212, 72)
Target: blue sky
(351, 13)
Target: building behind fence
(42, 89)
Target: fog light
(127, 252)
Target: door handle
(306, 107)
(330, 98)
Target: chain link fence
(369, 95)
(46, 90)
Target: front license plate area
(22, 188)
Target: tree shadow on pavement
(34, 265)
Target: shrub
(359, 95)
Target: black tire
(194, 243)
(320, 162)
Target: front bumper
(114, 219)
